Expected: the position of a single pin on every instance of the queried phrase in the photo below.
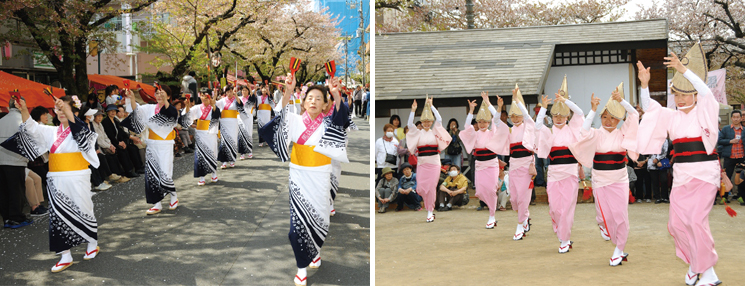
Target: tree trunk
(81, 69)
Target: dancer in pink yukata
(563, 170)
(605, 150)
(522, 166)
(485, 144)
(693, 127)
(427, 144)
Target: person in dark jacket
(730, 146)
(128, 154)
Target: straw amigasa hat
(483, 114)
(514, 109)
(427, 113)
(615, 108)
(695, 61)
(560, 108)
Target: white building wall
(582, 81)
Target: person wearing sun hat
(605, 150)
(484, 143)
(386, 190)
(427, 143)
(693, 127)
(563, 171)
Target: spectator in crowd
(407, 190)
(505, 118)
(121, 113)
(35, 194)
(40, 165)
(112, 95)
(643, 183)
(127, 153)
(504, 193)
(403, 151)
(366, 103)
(92, 102)
(739, 177)
(453, 190)
(189, 85)
(632, 179)
(12, 173)
(357, 96)
(386, 151)
(183, 133)
(658, 175)
(385, 191)
(398, 130)
(730, 146)
(98, 175)
(454, 151)
(418, 125)
(107, 150)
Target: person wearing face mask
(452, 191)
(427, 143)
(693, 128)
(265, 104)
(484, 143)
(71, 148)
(160, 120)
(519, 145)
(207, 117)
(316, 141)
(563, 170)
(605, 149)
(386, 150)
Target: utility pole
(362, 42)
(346, 60)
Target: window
(592, 57)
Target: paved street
(233, 232)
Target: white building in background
(455, 66)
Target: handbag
(412, 160)
(389, 158)
(665, 162)
(454, 148)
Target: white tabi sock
(564, 243)
(491, 220)
(617, 252)
(92, 245)
(519, 228)
(214, 175)
(158, 206)
(174, 198)
(66, 256)
(709, 276)
(201, 179)
(302, 272)
(429, 214)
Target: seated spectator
(453, 190)
(385, 191)
(407, 190)
(128, 154)
(183, 133)
(97, 174)
(92, 102)
(739, 178)
(107, 150)
(113, 98)
(504, 193)
(35, 194)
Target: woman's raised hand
(594, 102)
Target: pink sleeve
(575, 124)
(584, 149)
(468, 137)
(529, 136)
(653, 129)
(629, 130)
(501, 138)
(544, 141)
(708, 113)
(442, 136)
(412, 139)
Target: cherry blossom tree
(61, 30)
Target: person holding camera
(386, 152)
(657, 166)
(730, 146)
